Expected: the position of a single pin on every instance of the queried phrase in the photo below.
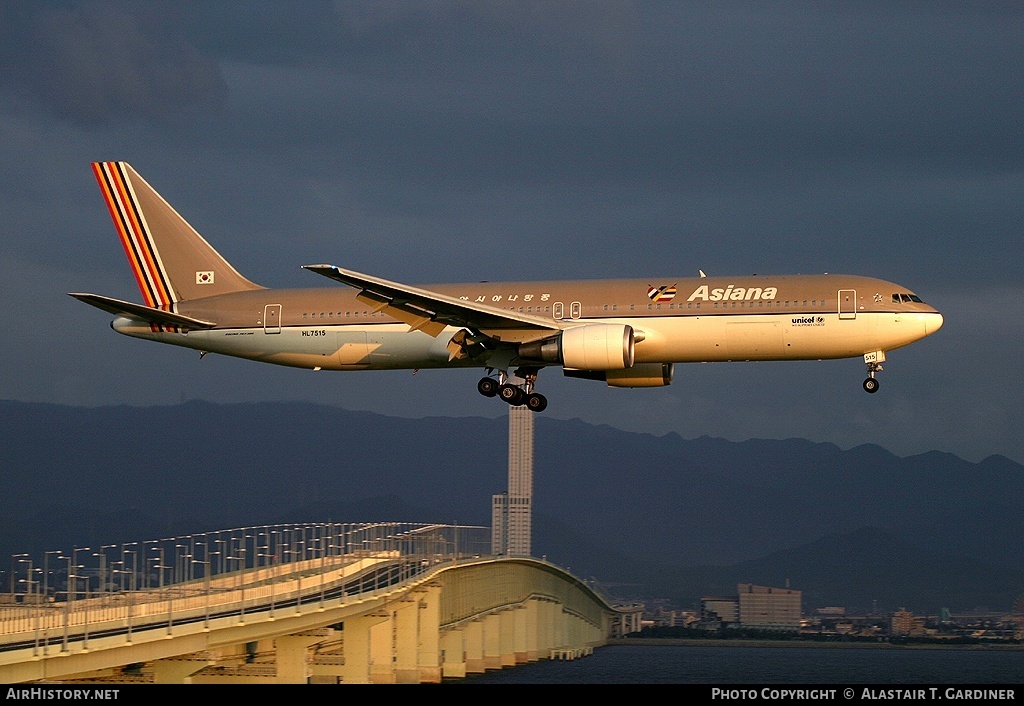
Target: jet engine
(587, 347)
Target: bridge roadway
(360, 617)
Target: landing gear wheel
(871, 385)
(488, 387)
(536, 402)
(512, 394)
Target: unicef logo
(808, 321)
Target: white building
(512, 511)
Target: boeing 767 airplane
(628, 333)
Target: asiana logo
(808, 321)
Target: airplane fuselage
(796, 317)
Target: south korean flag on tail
(204, 277)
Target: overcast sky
(463, 141)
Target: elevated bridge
(352, 603)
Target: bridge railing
(60, 595)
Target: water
(673, 664)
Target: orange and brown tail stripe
(134, 233)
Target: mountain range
(647, 516)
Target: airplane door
(272, 318)
(847, 304)
(558, 310)
(575, 310)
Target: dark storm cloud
(864, 123)
(606, 90)
(88, 62)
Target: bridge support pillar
(429, 649)
(453, 651)
(474, 634)
(177, 671)
(545, 628)
(357, 647)
(382, 650)
(520, 633)
(533, 628)
(291, 651)
(492, 641)
(507, 637)
(407, 632)
(560, 638)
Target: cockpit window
(906, 298)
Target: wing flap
(142, 313)
(430, 311)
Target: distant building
(753, 606)
(676, 618)
(719, 610)
(769, 608)
(903, 623)
(831, 612)
(499, 524)
(511, 512)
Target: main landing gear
(513, 394)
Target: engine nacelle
(587, 347)
(642, 375)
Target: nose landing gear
(874, 362)
(871, 385)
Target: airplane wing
(142, 313)
(429, 311)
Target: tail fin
(171, 261)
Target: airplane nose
(932, 323)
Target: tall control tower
(511, 513)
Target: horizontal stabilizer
(142, 313)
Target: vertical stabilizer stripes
(135, 235)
